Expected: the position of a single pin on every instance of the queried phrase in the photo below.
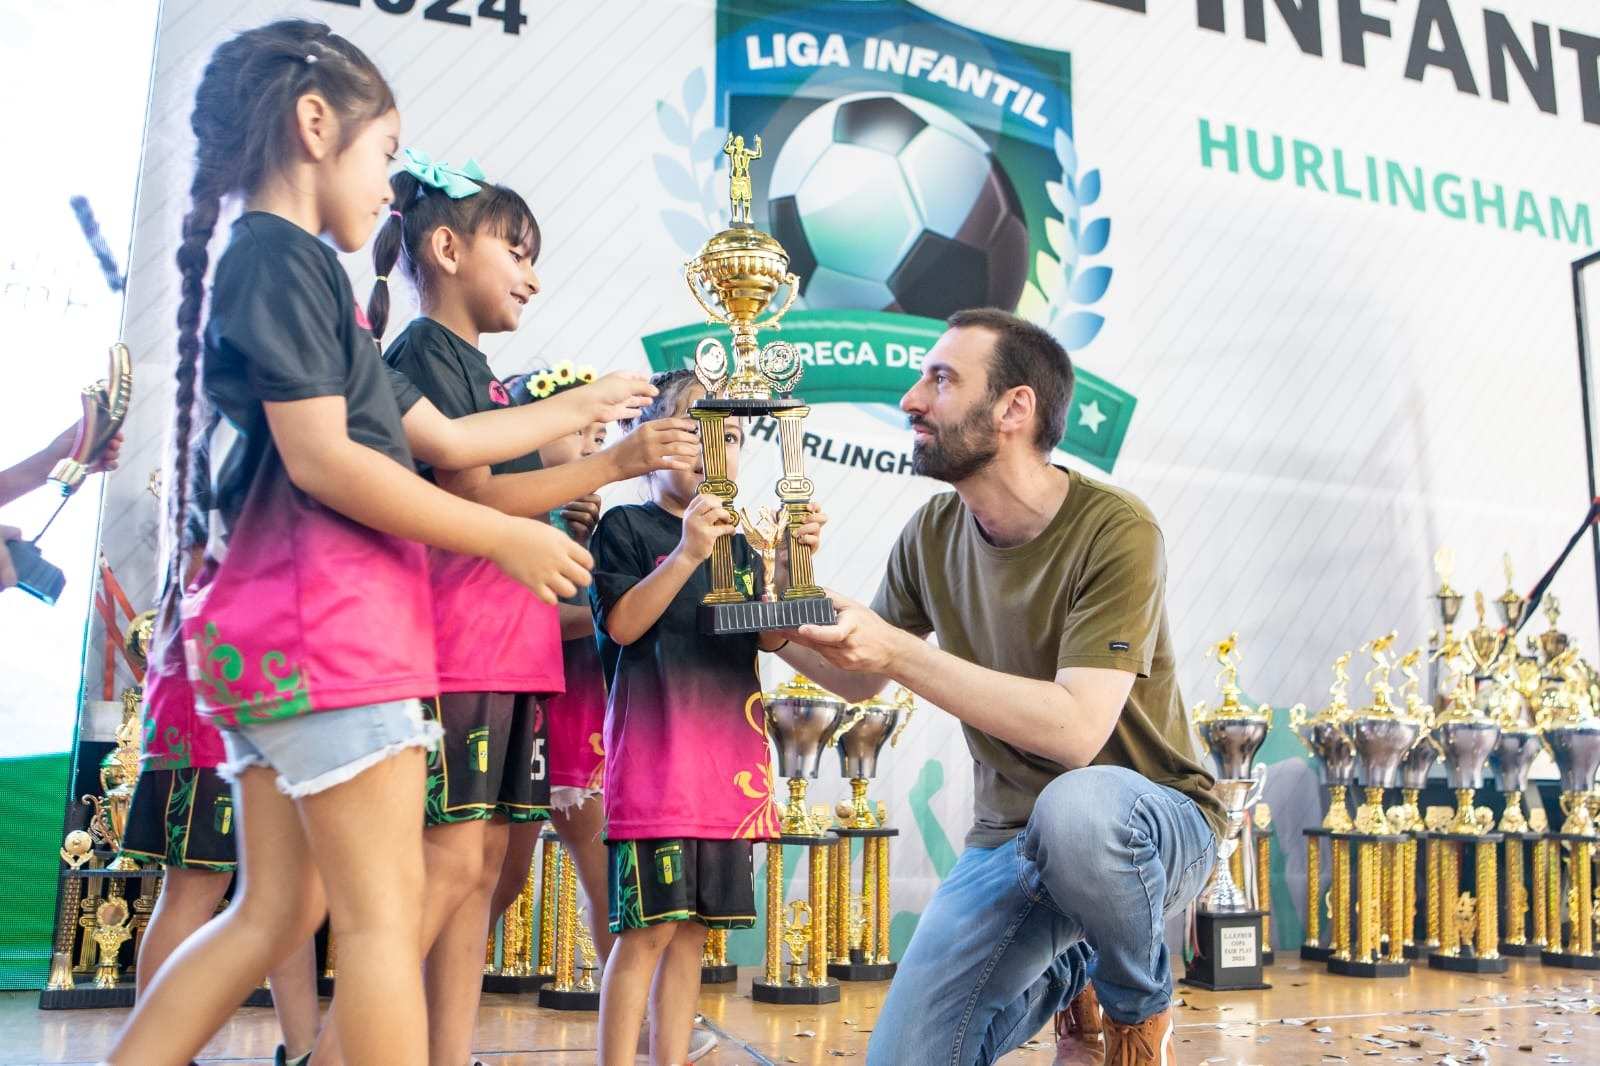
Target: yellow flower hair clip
(564, 375)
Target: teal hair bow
(455, 182)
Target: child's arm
(499, 436)
(704, 520)
(371, 488)
(575, 622)
(661, 444)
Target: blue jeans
(1013, 933)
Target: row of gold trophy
(1450, 884)
(832, 934)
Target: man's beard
(957, 452)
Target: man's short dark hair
(1025, 354)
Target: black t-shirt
(685, 741)
(283, 328)
(453, 375)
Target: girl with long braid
(309, 629)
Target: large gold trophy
(1513, 701)
(1466, 737)
(1369, 929)
(803, 719)
(735, 277)
(1230, 922)
(858, 932)
(1571, 726)
(1323, 734)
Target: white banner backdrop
(1336, 313)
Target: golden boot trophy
(735, 277)
(1382, 733)
(873, 723)
(1324, 736)
(802, 720)
(1229, 920)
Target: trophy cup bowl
(742, 269)
(1511, 608)
(801, 727)
(1467, 745)
(1577, 751)
(1417, 764)
(1237, 796)
(1335, 754)
(1233, 743)
(1513, 757)
(861, 744)
(1381, 742)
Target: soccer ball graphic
(889, 203)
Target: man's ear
(1017, 408)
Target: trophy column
(715, 969)
(1312, 949)
(714, 461)
(573, 985)
(864, 953)
(808, 981)
(518, 938)
(795, 491)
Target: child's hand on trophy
(660, 444)
(705, 521)
(810, 531)
(580, 517)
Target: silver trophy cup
(802, 720)
(1237, 797)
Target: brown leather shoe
(1146, 1043)
(1078, 1030)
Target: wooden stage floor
(1532, 1015)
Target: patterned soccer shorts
(681, 880)
(182, 818)
(491, 760)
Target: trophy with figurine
(1369, 933)
(1466, 737)
(803, 719)
(1323, 734)
(735, 277)
(1229, 918)
(859, 924)
(1571, 725)
(1406, 816)
(1513, 702)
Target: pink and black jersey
(578, 715)
(297, 608)
(686, 739)
(494, 634)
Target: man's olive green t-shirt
(1090, 590)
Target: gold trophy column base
(863, 966)
(1362, 895)
(1464, 959)
(1577, 886)
(1521, 856)
(715, 969)
(1315, 948)
(807, 985)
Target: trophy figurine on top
(737, 274)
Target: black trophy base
(1314, 954)
(1229, 958)
(1268, 957)
(324, 988)
(86, 996)
(753, 616)
(259, 997)
(792, 995)
(1570, 962)
(1351, 968)
(1468, 964)
(725, 974)
(748, 406)
(1526, 950)
(1414, 951)
(552, 998)
(861, 971)
(499, 982)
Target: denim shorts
(314, 752)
